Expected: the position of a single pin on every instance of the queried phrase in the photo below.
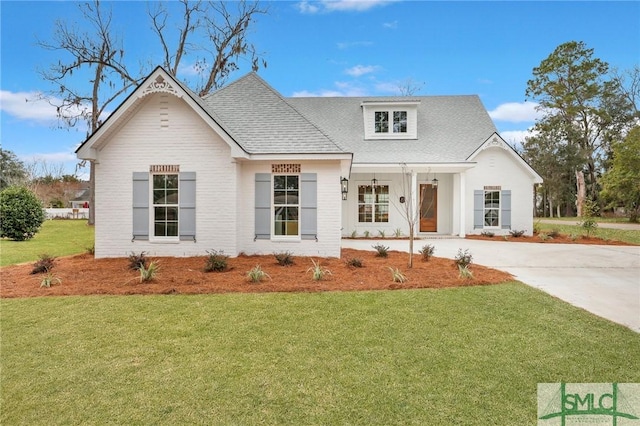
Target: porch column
(414, 200)
(463, 208)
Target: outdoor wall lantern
(344, 187)
(374, 182)
(434, 182)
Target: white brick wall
(164, 130)
(497, 167)
(329, 212)
(146, 139)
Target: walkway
(604, 280)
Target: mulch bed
(84, 275)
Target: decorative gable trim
(496, 141)
(160, 85)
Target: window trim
(274, 236)
(485, 209)
(391, 112)
(373, 204)
(152, 221)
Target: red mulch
(559, 239)
(84, 275)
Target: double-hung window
(165, 205)
(286, 205)
(373, 203)
(491, 208)
(399, 124)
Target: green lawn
(56, 238)
(454, 356)
(571, 228)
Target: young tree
(581, 106)
(21, 213)
(621, 184)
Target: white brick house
(247, 170)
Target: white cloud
(326, 6)
(360, 70)
(516, 112)
(35, 107)
(27, 106)
(390, 25)
(516, 137)
(349, 44)
(342, 89)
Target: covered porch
(385, 198)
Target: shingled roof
(263, 122)
(450, 128)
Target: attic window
(382, 122)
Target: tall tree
(12, 170)
(95, 72)
(221, 27)
(582, 108)
(621, 184)
(98, 54)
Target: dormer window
(390, 120)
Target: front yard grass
(625, 235)
(471, 355)
(55, 238)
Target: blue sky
(337, 48)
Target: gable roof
(158, 80)
(263, 122)
(450, 128)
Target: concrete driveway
(604, 280)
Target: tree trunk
(580, 193)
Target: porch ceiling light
(434, 182)
(374, 182)
(344, 187)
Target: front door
(428, 208)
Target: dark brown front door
(428, 208)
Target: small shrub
(515, 233)
(554, 233)
(137, 261)
(573, 237)
(317, 271)
(463, 258)
(367, 234)
(397, 233)
(427, 252)
(256, 274)
(544, 236)
(49, 279)
(91, 250)
(21, 212)
(381, 233)
(487, 234)
(354, 262)
(354, 234)
(216, 261)
(397, 276)
(382, 250)
(44, 264)
(284, 258)
(148, 273)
